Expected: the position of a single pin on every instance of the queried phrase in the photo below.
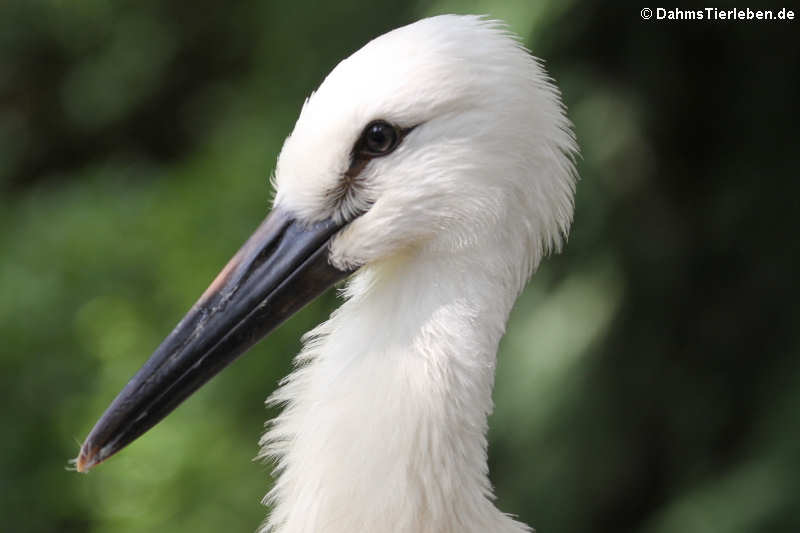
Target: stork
(434, 169)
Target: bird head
(435, 135)
(432, 138)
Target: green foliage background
(650, 377)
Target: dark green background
(650, 378)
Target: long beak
(280, 268)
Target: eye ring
(378, 138)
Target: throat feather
(385, 417)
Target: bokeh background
(650, 378)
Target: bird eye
(379, 138)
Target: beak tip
(87, 459)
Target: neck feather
(385, 418)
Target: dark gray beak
(282, 266)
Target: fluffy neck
(384, 428)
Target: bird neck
(385, 419)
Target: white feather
(385, 417)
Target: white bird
(435, 168)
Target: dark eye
(379, 138)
